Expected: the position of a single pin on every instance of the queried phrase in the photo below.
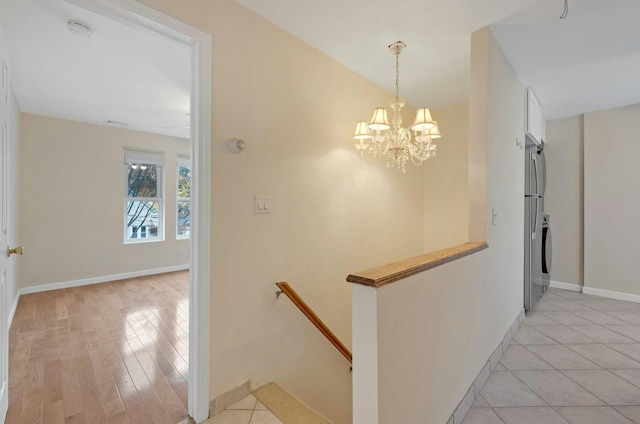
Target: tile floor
(574, 360)
(247, 411)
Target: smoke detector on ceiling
(112, 123)
(79, 28)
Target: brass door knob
(15, 251)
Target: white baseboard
(97, 280)
(612, 294)
(12, 312)
(566, 286)
(595, 292)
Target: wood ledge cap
(385, 274)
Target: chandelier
(377, 139)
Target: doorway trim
(132, 12)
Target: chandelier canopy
(378, 139)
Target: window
(183, 224)
(143, 202)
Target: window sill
(143, 241)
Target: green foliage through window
(184, 201)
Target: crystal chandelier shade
(378, 139)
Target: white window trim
(143, 156)
(181, 162)
(151, 158)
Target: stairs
(284, 406)
(266, 405)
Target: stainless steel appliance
(535, 180)
(546, 252)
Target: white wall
(72, 202)
(611, 200)
(437, 329)
(446, 180)
(332, 213)
(501, 298)
(564, 197)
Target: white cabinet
(535, 123)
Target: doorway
(139, 16)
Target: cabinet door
(535, 120)
(543, 124)
(530, 113)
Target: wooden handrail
(306, 310)
(386, 274)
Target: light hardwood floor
(106, 353)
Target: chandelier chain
(397, 76)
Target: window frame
(144, 158)
(182, 163)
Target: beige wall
(446, 180)
(436, 330)
(611, 200)
(502, 288)
(479, 121)
(332, 213)
(72, 202)
(564, 197)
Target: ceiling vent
(79, 28)
(113, 123)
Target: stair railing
(315, 320)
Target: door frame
(134, 13)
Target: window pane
(184, 182)
(184, 218)
(142, 180)
(142, 220)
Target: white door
(4, 206)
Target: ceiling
(588, 61)
(121, 73)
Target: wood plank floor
(106, 353)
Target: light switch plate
(262, 204)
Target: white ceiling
(588, 61)
(120, 73)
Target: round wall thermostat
(237, 145)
